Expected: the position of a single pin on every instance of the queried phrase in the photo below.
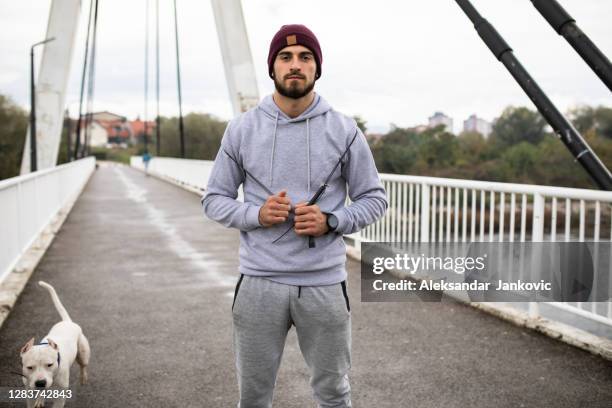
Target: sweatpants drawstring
(299, 291)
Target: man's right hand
(275, 210)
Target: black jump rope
(313, 200)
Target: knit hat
(294, 34)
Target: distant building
(107, 116)
(138, 129)
(98, 136)
(108, 129)
(439, 118)
(476, 124)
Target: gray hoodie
(294, 155)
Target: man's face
(294, 71)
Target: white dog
(46, 366)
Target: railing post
(537, 228)
(424, 212)
(537, 235)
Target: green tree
(521, 159)
(397, 151)
(438, 149)
(472, 147)
(587, 118)
(67, 127)
(516, 125)
(203, 133)
(427, 153)
(13, 128)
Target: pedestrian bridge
(151, 280)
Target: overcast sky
(388, 61)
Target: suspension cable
(146, 83)
(91, 81)
(157, 119)
(78, 128)
(178, 78)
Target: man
(146, 158)
(289, 144)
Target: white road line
(183, 249)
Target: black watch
(332, 222)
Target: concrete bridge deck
(151, 280)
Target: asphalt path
(150, 280)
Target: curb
(581, 339)
(559, 331)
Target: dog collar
(46, 343)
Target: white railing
(429, 209)
(193, 173)
(29, 203)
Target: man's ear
(27, 346)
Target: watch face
(332, 221)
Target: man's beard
(293, 91)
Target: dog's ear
(52, 344)
(27, 346)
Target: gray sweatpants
(263, 312)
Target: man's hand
(309, 220)
(275, 210)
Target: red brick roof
(138, 126)
(115, 128)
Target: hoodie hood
(271, 110)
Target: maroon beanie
(294, 34)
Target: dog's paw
(39, 403)
(84, 375)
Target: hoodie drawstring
(273, 147)
(308, 149)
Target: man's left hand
(309, 220)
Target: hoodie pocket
(236, 290)
(346, 299)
